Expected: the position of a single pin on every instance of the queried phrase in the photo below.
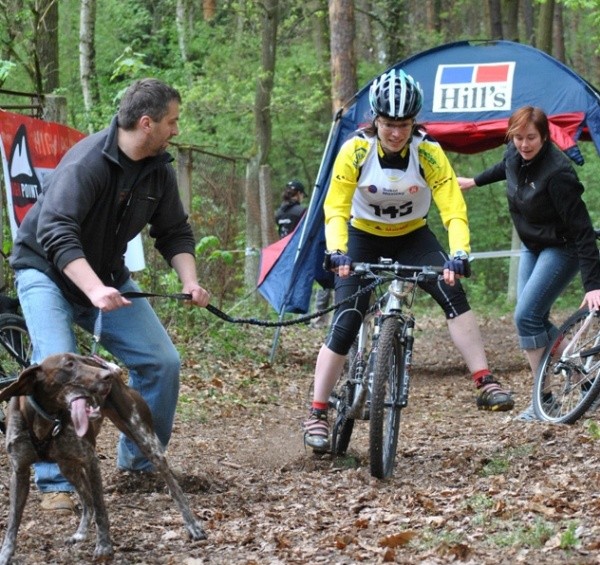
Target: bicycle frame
(375, 384)
(574, 356)
(398, 296)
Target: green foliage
(569, 538)
(523, 534)
(206, 244)
(593, 429)
(6, 67)
(129, 65)
(502, 461)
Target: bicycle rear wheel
(341, 401)
(15, 348)
(567, 382)
(385, 409)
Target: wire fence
(212, 189)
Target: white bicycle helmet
(395, 95)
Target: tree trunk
(343, 58)
(87, 58)
(315, 10)
(528, 22)
(558, 38)
(209, 9)
(181, 19)
(366, 34)
(262, 129)
(395, 30)
(495, 9)
(432, 13)
(544, 31)
(511, 19)
(46, 41)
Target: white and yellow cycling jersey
(393, 199)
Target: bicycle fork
(407, 339)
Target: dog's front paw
(196, 531)
(103, 552)
(77, 537)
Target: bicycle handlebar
(413, 272)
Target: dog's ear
(23, 385)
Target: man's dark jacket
(85, 211)
(288, 216)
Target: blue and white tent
(470, 90)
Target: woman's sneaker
(528, 415)
(492, 396)
(316, 430)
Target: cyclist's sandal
(492, 396)
(316, 430)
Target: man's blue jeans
(543, 276)
(133, 334)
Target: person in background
(68, 258)
(384, 178)
(290, 211)
(322, 299)
(545, 202)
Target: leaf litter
(469, 486)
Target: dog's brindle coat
(55, 412)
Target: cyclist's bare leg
(328, 369)
(466, 336)
(464, 332)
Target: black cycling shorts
(420, 247)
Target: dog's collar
(41, 412)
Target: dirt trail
(469, 487)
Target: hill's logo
(473, 88)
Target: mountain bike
(567, 384)
(375, 383)
(15, 348)
(15, 352)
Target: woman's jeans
(543, 276)
(133, 334)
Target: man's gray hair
(146, 97)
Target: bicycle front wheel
(388, 379)
(15, 347)
(341, 400)
(567, 382)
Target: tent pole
(274, 344)
(307, 215)
(313, 198)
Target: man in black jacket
(69, 263)
(291, 210)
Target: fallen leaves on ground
(469, 486)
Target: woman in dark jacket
(553, 223)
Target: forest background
(261, 81)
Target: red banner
(30, 149)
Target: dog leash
(130, 294)
(220, 314)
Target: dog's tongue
(79, 416)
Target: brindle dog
(55, 412)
